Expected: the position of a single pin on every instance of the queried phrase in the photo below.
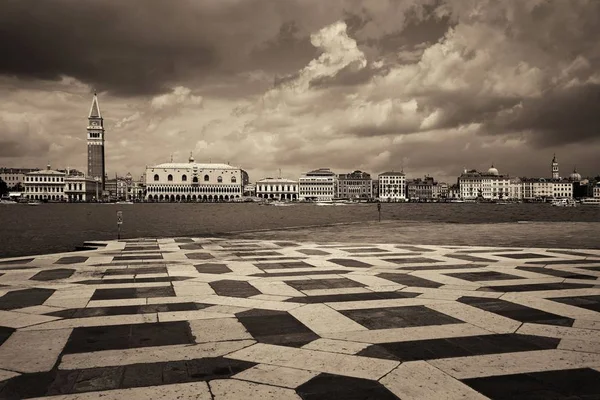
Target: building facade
(277, 189)
(81, 189)
(95, 143)
(596, 190)
(317, 185)
(14, 177)
(355, 185)
(488, 185)
(45, 185)
(392, 186)
(191, 181)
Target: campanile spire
(95, 142)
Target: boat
(8, 202)
(563, 203)
(590, 201)
(34, 203)
(502, 203)
(124, 202)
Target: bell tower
(555, 174)
(95, 143)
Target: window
(206, 178)
(220, 179)
(195, 179)
(233, 180)
(155, 177)
(170, 178)
(184, 178)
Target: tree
(3, 187)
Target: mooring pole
(379, 210)
(119, 223)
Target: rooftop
(171, 165)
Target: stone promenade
(202, 318)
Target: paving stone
(283, 265)
(398, 317)
(129, 293)
(138, 257)
(537, 287)
(212, 268)
(348, 262)
(483, 276)
(328, 386)
(410, 280)
(554, 272)
(233, 288)
(71, 260)
(277, 328)
(587, 302)
(135, 271)
(53, 274)
(466, 257)
(313, 252)
(24, 298)
(411, 260)
(98, 379)
(5, 333)
(523, 256)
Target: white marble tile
(334, 363)
(269, 297)
(225, 309)
(34, 351)
(326, 292)
(458, 290)
(561, 332)
(5, 375)
(275, 375)
(361, 305)
(222, 329)
(409, 334)
(11, 319)
(176, 299)
(95, 321)
(581, 323)
(117, 302)
(335, 346)
(418, 380)
(191, 315)
(233, 389)
(250, 303)
(195, 289)
(475, 316)
(515, 363)
(180, 352)
(322, 319)
(276, 288)
(179, 391)
(579, 345)
(565, 310)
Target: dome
(492, 171)
(575, 176)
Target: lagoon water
(50, 228)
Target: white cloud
(179, 97)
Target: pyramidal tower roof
(95, 109)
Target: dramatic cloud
(429, 86)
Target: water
(49, 228)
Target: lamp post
(96, 179)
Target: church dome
(492, 171)
(575, 176)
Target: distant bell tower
(555, 168)
(95, 143)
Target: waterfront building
(562, 189)
(355, 185)
(46, 185)
(490, 185)
(80, 189)
(95, 143)
(421, 189)
(277, 189)
(14, 177)
(454, 192)
(515, 189)
(193, 181)
(392, 186)
(317, 185)
(596, 190)
(250, 189)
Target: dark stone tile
(215, 368)
(18, 268)
(334, 298)
(199, 256)
(483, 276)
(536, 287)
(277, 328)
(565, 384)
(64, 381)
(348, 262)
(398, 317)
(304, 273)
(174, 372)
(26, 386)
(523, 256)
(89, 339)
(233, 288)
(328, 386)
(283, 265)
(53, 274)
(466, 257)
(96, 379)
(282, 259)
(459, 347)
(287, 244)
(184, 240)
(134, 280)
(138, 375)
(138, 257)
(411, 260)
(24, 298)
(150, 247)
(488, 251)
(191, 246)
(365, 250)
(313, 252)
(125, 310)
(20, 261)
(136, 271)
(212, 268)
(587, 302)
(415, 249)
(573, 253)
(443, 267)
(409, 280)
(71, 260)
(313, 284)
(131, 293)
(516, 311)
(5, 333)
(554, 272)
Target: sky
(428, 86)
